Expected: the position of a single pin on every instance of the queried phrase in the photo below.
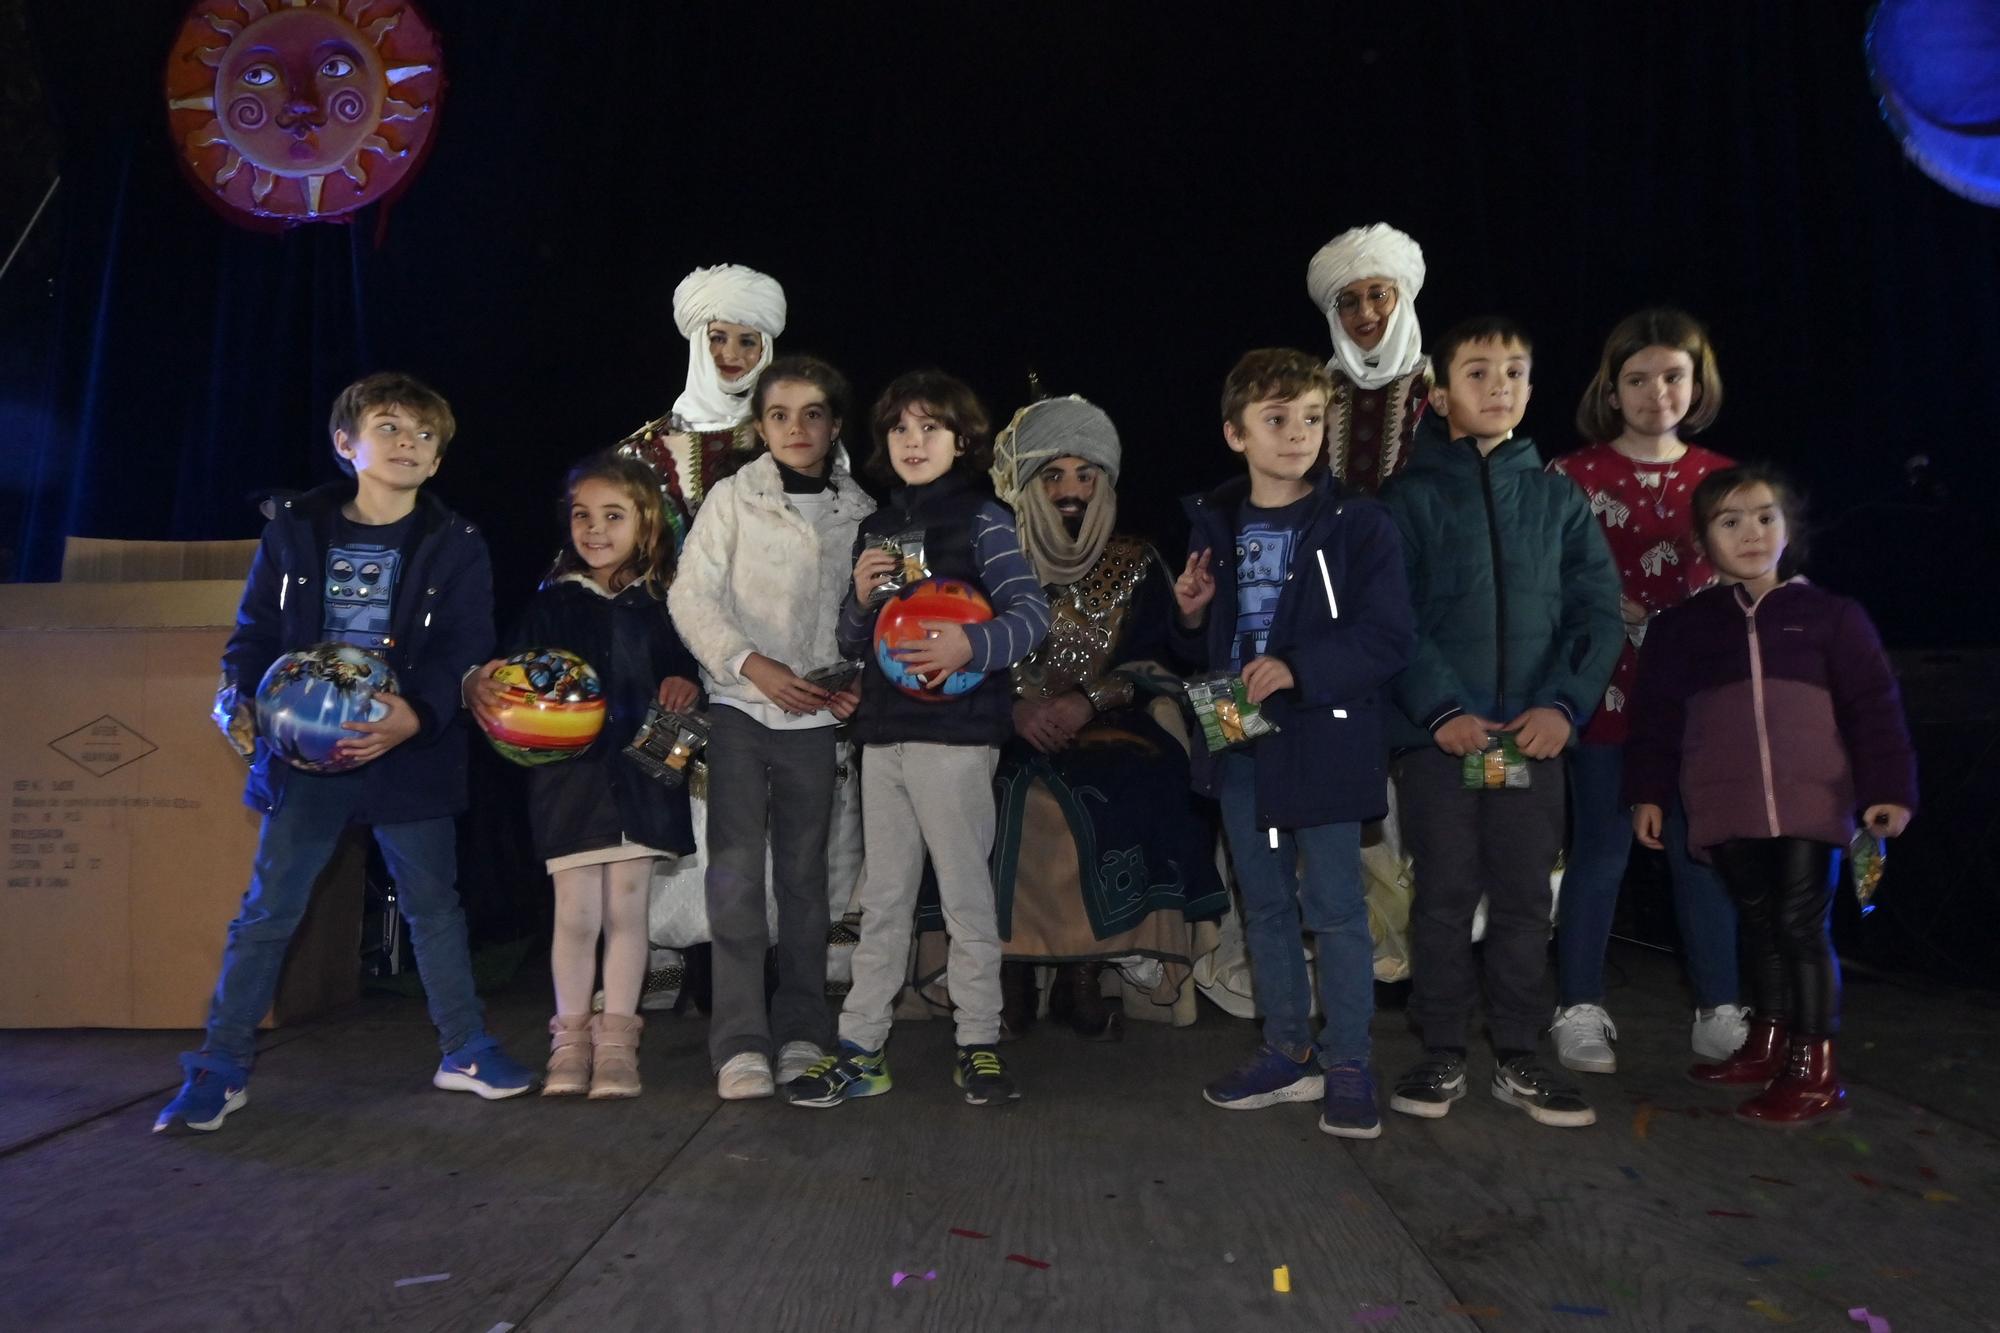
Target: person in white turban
(731, 317)
(1090, 764)
(1366, 281)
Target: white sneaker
(795, 1058)
(1583, 1035)
(1719, 1032)
(743, 1076)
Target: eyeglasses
(1382, 298)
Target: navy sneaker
(1265, 1079)
(983, 1076)
(481, 1067)
(832, 1079)
(1349, 1110)
(213, 1088)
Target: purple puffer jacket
(1778, 718)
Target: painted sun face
(296, 94)
(304, 117)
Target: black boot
(1019, 999)
(1089, 1016)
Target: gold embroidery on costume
(1084, 622)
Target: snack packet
(834, 677)
(1865, 858)
(912, 565)
(1222, 708)
(1501, 764)
(666, 744)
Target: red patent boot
(1807, 1093)
(1757, 1061)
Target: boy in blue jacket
(377, 564)
(1518, 628)
(1300, 590)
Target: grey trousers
(1462, 844)
(765, 784)
(916, 796)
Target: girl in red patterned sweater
(1657, 377)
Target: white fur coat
(755, 576)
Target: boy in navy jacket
(1301, 591)
(377, 564)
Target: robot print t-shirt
(1265, 539)
(362, 562)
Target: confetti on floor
(1474, 1311)
(1728, 1212)
(1776, 1180)
(898, 1278)
(419, 1281)
(970, 1235)
(1641, 1120)
(1024, 1259)
(1875, 1322)
(1630, 1174)
(1771, 1312)
(1376, 1314)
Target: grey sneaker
(1583, 1034)
(1429, 1089)
(1526, 1083)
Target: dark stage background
(1122, 204)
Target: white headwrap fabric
(1378, 251)
(735, 295)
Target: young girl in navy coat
(599, 822)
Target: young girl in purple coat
(1770, 705)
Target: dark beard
(1073, 526)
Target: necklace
(1655, 478)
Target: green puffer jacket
(1515, 590)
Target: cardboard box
(129, 845)
(99, 560)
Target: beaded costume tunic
(689, 463)
(1368, 431)
(1087, 620)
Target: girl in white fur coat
(756, 601)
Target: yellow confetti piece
(1771, 1312)
(1281, 1278)
(1939, 1196)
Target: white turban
(1379, 251)
(735, 295)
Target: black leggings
(1784, 892)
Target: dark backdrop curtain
(1122, 204)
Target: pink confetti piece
(1875, 1322)
(898, 1278)
(1728, 1212)
(1024, 1259)
(970, 1235)
(1927, 1173)
(1376, 1314)
(1865, 1181)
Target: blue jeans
(1600, 845)
(1328, 901)
(298, 840)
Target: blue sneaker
(481, 1067)
(1265, 1079)
(1349, 1110)
(848, 1073)
(214, 1087)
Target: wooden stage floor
(349, 1195)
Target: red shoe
(1757, 1061)
(1807, 1093)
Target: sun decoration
(302, 110)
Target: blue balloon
(307, 697)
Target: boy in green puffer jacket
(1518, 628)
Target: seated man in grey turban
(1102, 854)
